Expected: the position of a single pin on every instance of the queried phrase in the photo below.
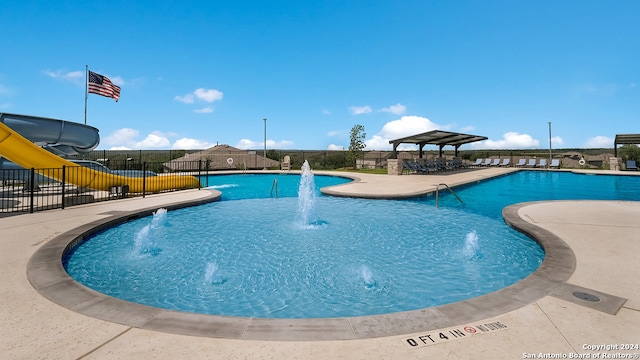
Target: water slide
(64, 137)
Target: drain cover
(584, 296)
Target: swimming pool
(253, 257)
(362, 279)
(488, 198)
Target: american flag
(101, 85)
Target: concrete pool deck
(603, 235)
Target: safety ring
(230, 161)
(581, 162)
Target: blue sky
(197, 73)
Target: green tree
(629, 152)
(356, 145)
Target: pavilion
(436, 137)
(622, 139)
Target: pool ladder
(274, 185)
(450, 190)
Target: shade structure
(622, 139)
(437, 137)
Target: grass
(362, 171)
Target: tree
(356, 145)
(629, 152)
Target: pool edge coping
(47, 275)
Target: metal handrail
(274, 184)
(447, 186)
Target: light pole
(550, 154)
(264, 160)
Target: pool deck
(604, 237)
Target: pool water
(257, 186)
(488, 198)
(253, 258)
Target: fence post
(64, 179)
(144, 179)
(32, 177)
(200, 172)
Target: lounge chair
(505, 162)
(478, 162)
(406, 168)
(555, 163)
(631, 165)
(531, 163)
(542, 163)
(522, 162)
(495, 162)
(486, 162)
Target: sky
(194, 74)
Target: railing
(30, 190)
(274, 184)
(450, 190)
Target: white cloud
(326, 112)
(187, 99)
(557, 141)
(359, 110)
(116, 80)
(397, 109)
(190, 144)
(208, 95)
(271, 144)
(599, 142)
(333, 133)
(201, 94)
(510, 140)
(468, 128)
(128, 139)
(65, 75)
(203, 110)
(154, 140)
(335, 147)
(604, 90)
(408, 125)
(405, 126)
(377, 142)
(122, 136)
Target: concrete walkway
(604, 237)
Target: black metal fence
(30, 190)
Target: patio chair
(486, 162)
(542, 163)
(555, 163)
(286, 163)
(631, 165)
(531, 163)
(478, 162)
(495, 162)
(522, 162)
(505, 162)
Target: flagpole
(86, 91)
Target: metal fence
(30, 190)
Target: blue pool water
(254, 257)
(490, 197)
(255, 186)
